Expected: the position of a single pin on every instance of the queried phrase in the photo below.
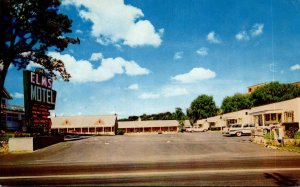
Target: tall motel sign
(39, 98)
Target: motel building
(150, 127)
(12, 117)
(225, 120)
(285, 114)
(93, 125)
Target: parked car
(238, 129)
(196, 129)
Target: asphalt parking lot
(199, 146)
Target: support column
(263, 119)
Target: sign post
(39, 98)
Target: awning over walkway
(266, 112)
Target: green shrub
(5, 137)
(297, 135)
(269, 135)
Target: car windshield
(236, 126)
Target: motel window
(273, 117)
(231, 121)
(12, 117)
(3, 102)
(267, 117)
(289, 116)
(279, 117)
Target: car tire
(239, 134)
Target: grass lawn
(291, 148)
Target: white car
(238, 129)
(195, 129)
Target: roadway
(179, 159)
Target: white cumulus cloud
(82, 70)
(115, 22)
(178, 55)
(78, 31)
(242, 36)
(196, 74)
(212, 37)
(18, 95)
(257, 29)
(133, 87)
(295, 67)
(96, 56)
(203, 51)
(32, 66)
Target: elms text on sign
(41, 89)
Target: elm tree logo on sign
(39, 98)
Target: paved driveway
(147, 148)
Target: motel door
(258, 120)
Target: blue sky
(151, 56)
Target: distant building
(151, 126)
(220, 121)
(254, 87)
(12, 117)
(101, 125)
(284, 113)
(297, 83)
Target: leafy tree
(144, 117)
(202, 107)
(159, 116)
(236, 102)
(274, 92)
(180, 117)
(27, 30)
(178, 114)
(133, 118)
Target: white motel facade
(280, 113)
